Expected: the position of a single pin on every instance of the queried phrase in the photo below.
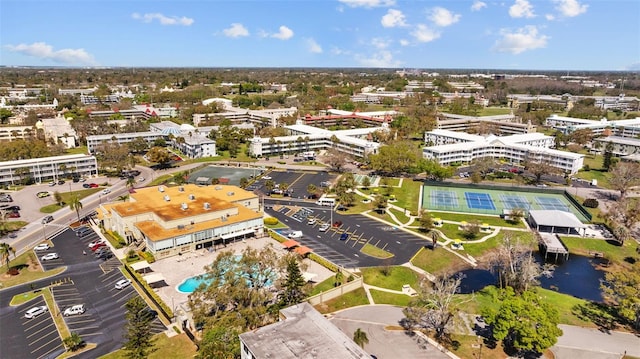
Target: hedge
(323, 262)
(590, 202)
(150, 292)
(271, 221)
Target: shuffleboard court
(444, 198)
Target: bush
(147, 256)
(323, 262)
(271, 221)
(13, 271)
(138, 278)
(590, 203)
(586, 168)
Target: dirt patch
(31, 266)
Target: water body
(578, 277)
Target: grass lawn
(80, 150)
(436, 261)
(493, 111)
(468, 346)
(381, 297)
(11, 226)
(409, 195)
(323, 286)
(66, 198)
(613, 252)
(373, 251)
(347, 300)
(27, 274)
(399, 215)
(490, 220)
(397, 277)
(178, 346)
(391, 181)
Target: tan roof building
(171, 220)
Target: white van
(35, 311)
(326, 202)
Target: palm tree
(360, 337)
(5, 252)
(76, 205)
(131, 182)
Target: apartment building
(174, 220)
(620, 128)
(94, 141)
(622, 146)
(457, 147)
(497, 125)
(47, 168)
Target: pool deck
(178, 268)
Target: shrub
(147, 256)
(590, 203)
(271, 221)
(13, 271)
(586, 168)
(323, 262)
(149, 291)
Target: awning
(290, 244)
(236, 234)
(138, 266)
(308, 276)
(153, 278)
(303, 250)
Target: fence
(150, 294)
(336, 292)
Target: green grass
(599, 175)
(613, 252)
(399, 215)
(178, 346)
(493, 111)
(26, 275)
(397, 277)
(347, 300)
(323, 286)
(66, 198)
(435, 261)
(11, 226)
(373, 251)
(80, 150)
(495, 221)
(24, 297)
(381, 297)
(408, 196)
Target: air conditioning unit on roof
(184, 206)
(207, 205)
(192, 197)
(160, 188)
(167, 198)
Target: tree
(366, 182)
(360, 337)
(395, 158)
(516, 215)
(5, 114)
(75, 205)
(623, 287)
(138, 145)
(524, 322)
(380, 204)
(312, 189)
(57, 197)
(138, 336)
(131, 182)
(435, 306)
(425, 221)
(335, 159)
(220, 342)
(5, 253)
(514, 264)
(244, 182)
(483, 166)
(73, 342)
(269, 185)
(159, 155)
(293, 286)
(607, 157)
(471, 229)
(539, 169)
(623, 176)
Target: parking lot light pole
(44, 234)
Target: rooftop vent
(230, 193)
(207, 205)
(180, 189)
(181, 226)
(223, 218)
(192, 197)
(160, 188)
(218, 188)
(184, 206)
(167, 198)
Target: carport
(290, 244)
(554, 221)
(303, 250)
(154, 278)
(141, 267)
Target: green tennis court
(494, 201)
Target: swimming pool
(190, 284)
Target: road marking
(47, 343)
(38, 332)
(50, 351)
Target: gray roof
(304, 333)
(555, 218)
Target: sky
(600, 35)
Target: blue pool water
(190, 284)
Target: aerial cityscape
(340, 179)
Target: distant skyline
(512, 35)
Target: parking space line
(50, 351)
(45, 344)
(38, 332)
(385, 246)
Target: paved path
(578, 342)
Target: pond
(578, 277)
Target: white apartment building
(457, 147)
(497, 125)
(47, 168)
(308, 138)
(94, 141)
(621, 128)
(173, 220)
(622, 146)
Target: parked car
(95, 247)
(122, 283)
(311, 221)
(41, 247)
(344, 236)
(61, 182)
(106, 191)
(74, 310)
(325, 227)
(13, 215)
(35, 311)
(295, 234)
(100, 251)
(97, 241)
(93, 185)
(43, 194)
(47, 219)
(49, 257)
(12, 208)
(337, 223)
(266, 177)
(52, 183)
(106, 255)
(86, 185)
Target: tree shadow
(603, 316)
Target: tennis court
(494, 201)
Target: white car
(295, 234)
(266, 177)
(106, 191)
(74, 310)
(325, 227)
(141, 179)
(311, 221)
(122, 283)
(50, 256)
(35, 311)
(41, 247)
(96, 242)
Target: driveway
(587, 343)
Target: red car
(95, 247)
(13, 215)
(93, 185)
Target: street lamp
(44, 234)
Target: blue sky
(473, 34)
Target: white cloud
(382, 59)
(284, 33)
(523, 39)
(313, 46)
(521, 8)
(423, 33)
(393, 18)
(570, 8)
(549, 17)
(368, 3)
(443, 17)
(164, 20)
(380, 43)
(478, 5)
(236, 30)
(44, 51)
(404, 42)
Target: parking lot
(342, 243)
(88, 280)
(297, 181)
